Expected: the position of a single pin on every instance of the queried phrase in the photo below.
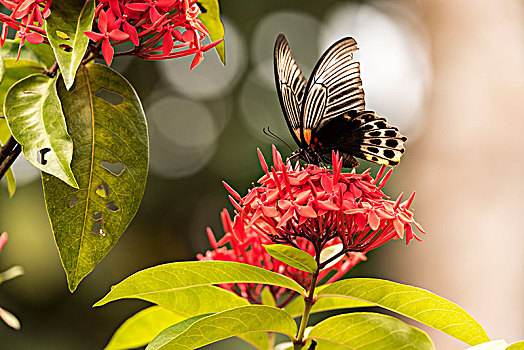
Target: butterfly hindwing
(334, 87)
(291, 85)
(362, 134)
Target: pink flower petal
(373, 220)
(306, 211)
(107, 51)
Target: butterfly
(327, 112)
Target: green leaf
(35, 118)
(2, 69)
(65, 31)
(110, 161)
(211, 20)
(185, 303)
(182, 275)
(14, 72)
(142, 327)
(42, 54)
(268, 298)
(292, 256)
(195, 300)
(5, 134)
(363, 331)
(296, 307)
(329, 252)
(416, 303)
(516, 346)
(200, 331)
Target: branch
(10, 159)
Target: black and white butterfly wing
(291, 86)
(362, 134)
(334, 87)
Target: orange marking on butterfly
(307, 135)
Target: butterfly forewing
(334, 87)
(291, 85)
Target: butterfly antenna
(273, 136)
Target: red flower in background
(106, 34)
(245, 245)
(159, 29)
(319, 205)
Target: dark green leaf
(110, 162)
(14, 72)
(199, 331)
(416, 303)
(65, 31)
(41, 53)
(292, 256)
(5, 134)
(368, 331)
(35, 118)
(211, 19)
(182, 275)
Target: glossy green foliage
(34, 115)
(413, 302)
(206, 329)
(106, 121)
(292, 256)
(183, 275)
(210, 17)
(65, 31)
(368, 331)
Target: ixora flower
(319, 205)
(16, 271)
(246, 245)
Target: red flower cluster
(245, 245)
(159, 29)
(152, 26)
(319, 205)
(27, 18)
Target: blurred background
(449, 74)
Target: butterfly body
(327, 113)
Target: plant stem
(309, 301)
(10, 159)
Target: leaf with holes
(202, 330)
(361, 331)
(413, 302)
(210, 17)
(35, 118)
(88, 222)
(65, 31)
(292, 256)
(5, 134)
